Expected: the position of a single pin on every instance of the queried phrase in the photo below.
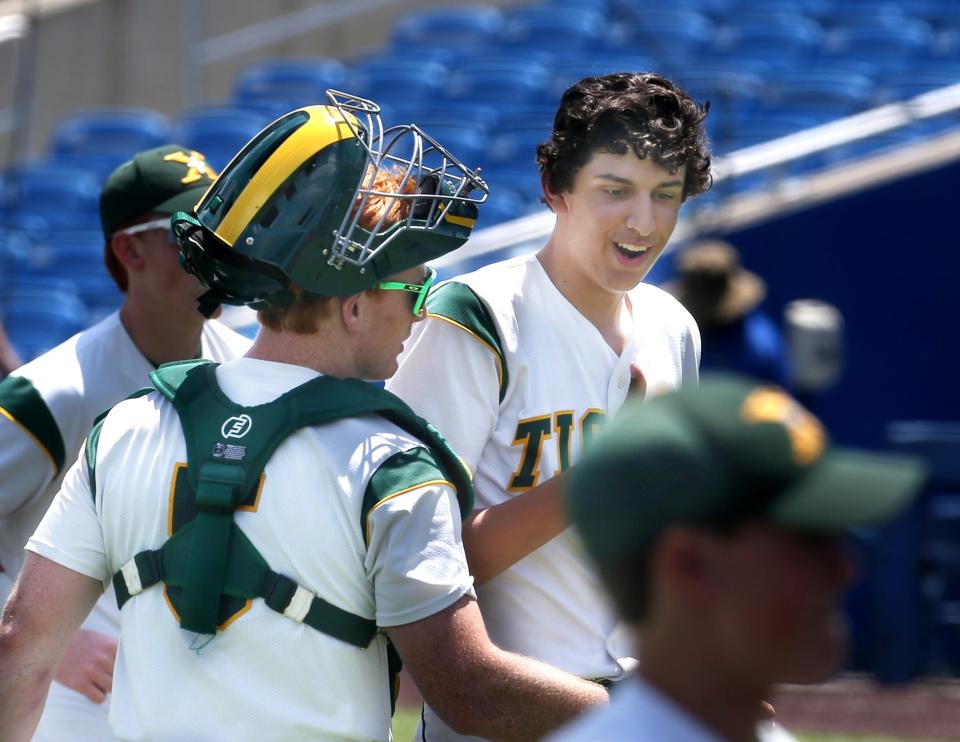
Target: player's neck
(160, 334)
(323, 351)
(606, 310)
(682, 672)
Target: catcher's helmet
(283, 215)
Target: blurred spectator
(724, 298)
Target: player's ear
(127, 251)
(354, 311)
(554, 200)
(683, 565)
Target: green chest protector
(209, 565)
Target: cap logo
(769, 405)
(197, 167)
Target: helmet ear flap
(432, 184)
(428, 185)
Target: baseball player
(521, 361)
(273, 527)
(716, 518)
(48, 405)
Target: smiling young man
(278, 531)
(520, 362)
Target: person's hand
(87, 665)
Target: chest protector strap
(209, 565)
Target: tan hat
(713, 285)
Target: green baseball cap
(727, 450)
(161, 180)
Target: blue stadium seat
(41, 313)
(38, 196)
(728, 90)
(519, 176)
(912, 82)
(102, 138)
(889, 49)
(516, 141)
(502, 205)
(820, 90)
(670, 37)
(219, 132)
(783, 39)
(941, 14)
(861, 13)
(566, 72)
(454, 27)
(467, 143)
(499, 82)
(773, 10)
(604, 7)
(398, 80)
(747, 129)
(567, 30)
(444, 113)
(282, 85)
(76, 256)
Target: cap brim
(183, 201)
(849, 489)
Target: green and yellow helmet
(284, 215)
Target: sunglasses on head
(163, 223)
(420, 290)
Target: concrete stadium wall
(131, 52)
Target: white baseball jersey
(47, 407)
(638, 712)
(517, 380)
(264, 676)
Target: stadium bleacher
(487, 79)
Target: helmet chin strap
(209, 302)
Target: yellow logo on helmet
(196, 163)
(770, 405)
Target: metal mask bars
(446, 193)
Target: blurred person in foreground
(48, 405)
(520, 362)
(716, 517)
(724, 298)
(279, 532)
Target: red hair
(396, 209)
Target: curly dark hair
(641, 111)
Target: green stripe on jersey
(93, 440)
(458, 304)
(21, 403)
(398, 474)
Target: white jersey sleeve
(25, 466)
(415, 557)
(451, 377)
(70, 532)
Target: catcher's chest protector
(209, 565)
